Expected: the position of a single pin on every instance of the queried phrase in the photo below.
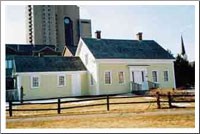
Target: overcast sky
(164, 24)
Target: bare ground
(163, 118)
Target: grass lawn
(119, 116)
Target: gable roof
(26, 49)
(48, 64)
(126, 49)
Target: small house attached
(49, 77)
(123, 66)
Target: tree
(184, 72)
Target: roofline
(50, 72)
(135, 61)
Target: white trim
(19, 86)
(157, 74)
(32, 81)
(47, 73)
(135, 61)
(58, 78)
(110, 77)
(174, 75)
(123, 77)
(97, 76)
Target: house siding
(91, 67)
(161, 68)
(115, 87)
(48, 86)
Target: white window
(91, 80)
(35, 82)
(86, 59)
(155, 76)
(107, 77)
(166, 76)
(121, 77)
(61, 81)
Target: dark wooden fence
(59, 101)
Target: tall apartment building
(85, 28)
(54, 25)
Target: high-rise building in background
(58, 25)
(85, 28)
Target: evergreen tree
(184, 72)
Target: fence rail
(58, 101)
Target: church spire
(183, 53)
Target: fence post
(21, 94)
(169, 99)
(108, 108)
(10, 108)
(158, 100)
(58, 106)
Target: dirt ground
(119, 116)
(161, 118)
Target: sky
(164, 24)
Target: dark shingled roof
(26, 49)
(43, 64)
(126, 49)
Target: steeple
(183, 53)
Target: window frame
(167, 76)
(119, 77)
(32, 85)
(58, 80)
(156, 76)
(110, 77)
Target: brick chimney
(98, 34)
(139, 35)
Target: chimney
(98, 34)
(139, 35)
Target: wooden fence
(59, 101)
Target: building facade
(54, 25)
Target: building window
(35, 82)
(91, 80)
(121, 77)
(155, 76)
(107, 77)
(86, 59)
(166, 76)
(61, 81)
(8, 63)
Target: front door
(139, 77)
(76, 85)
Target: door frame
(139, 68)
(75, 91)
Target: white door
(76, 85)
(139, 76)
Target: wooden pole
(169, 99)
(158, 100)
(58, 106)
(108, 108)
(10, 108)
